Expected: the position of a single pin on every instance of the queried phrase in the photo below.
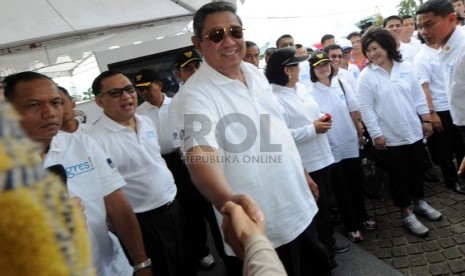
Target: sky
(265, 20)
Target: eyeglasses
(336, 56)
(117, 92)
(216, 35)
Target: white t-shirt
(408, 52)
(428, 68)
(342, 136)
(453, 68)
(137, 156)
(300, 110)
(91, 176)
(390, 103)
(161, 119)
(354, 70)
(256, 151)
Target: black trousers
(323, 224)
(446, 145)
(405, 166)
(346, 179)
(166, 240)
(194, 204)
(305, 255)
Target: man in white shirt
(394, 25)
(446, 140)
(90, 174)
(70, 123)
(336, 55)
(235, 142)
(156, 107)
(408, 24)
(287, 40)
(131, 141)
(437, 24)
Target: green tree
(408, 7)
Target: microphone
(59, 171)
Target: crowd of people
(245, 149)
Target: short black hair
(10, 82)
(97, 83)
(282, 37)
(64, 91)
(249, 44)
(207, 9)
(407, 16)
(352, 34)
(385, 40)
(392, 17)
(332, 47)
(326, 37)
(437, 7)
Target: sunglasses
(336, 56)
(216, 35)
(117, 92)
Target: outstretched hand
(238, 227)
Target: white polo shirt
(354, 70)
(342, 136)
(453, 68)
(269, 168)
(137, 155)
(428, 68)
(390, 103)
(161, 119)
(91, 176)
(300, 110)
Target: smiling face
(436, 29)
(39, 104)
(323, 70)
(394, 26)
(120, 109)
(336, 56)
(376, 54)
(226, 55)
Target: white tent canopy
(35, 34)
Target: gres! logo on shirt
(80, 168)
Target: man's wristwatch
(145, 264)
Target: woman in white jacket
(391, 103)
(308, 128)
(336, 97)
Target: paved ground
(392, 250)
(442, 252)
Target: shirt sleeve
(260, 259)
(108, 173)
(419, 97)
(366, 100)
(196, 120)
(423, 69)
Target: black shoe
(340, 246)
(457, 187)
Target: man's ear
(98, 101)
(195, 40)
(452, 18)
